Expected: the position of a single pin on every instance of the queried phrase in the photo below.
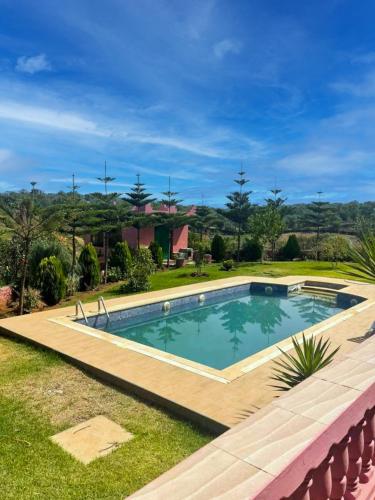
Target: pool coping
(231, 372)
(212, 404)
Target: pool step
(327, 292)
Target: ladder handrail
(102, 303)
(79, 305)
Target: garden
(46, 261)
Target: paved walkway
(208, 401)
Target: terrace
(315, 442)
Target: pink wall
(180, 238)
(147, 235)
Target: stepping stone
(92, 439)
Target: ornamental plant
(312, 355)
(291, 249)
(90, 268)
(157, 254)
(141, 271)
(121, 259)
(251, 250)
(52, 281)
(218, 248)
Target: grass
(179, 277)
(41, 395)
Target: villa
(154, 232)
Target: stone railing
(347, 469)
(314, 442)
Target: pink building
(154, 232)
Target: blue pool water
(225, 331)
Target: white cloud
(363, 88)
(5, 155)
(33, 64)
(227, 46)
(48, 118)
(326, 162)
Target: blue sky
(189, 89)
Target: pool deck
(188, 392)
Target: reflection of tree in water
(235, 316)
(141, 333)
(167, 331)
(267, 313)
(311, 308)
(200, 316)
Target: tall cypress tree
(319, 213)
(138, 198)
(239, 208)
(108, 200)
(172, 220)
(275, 221)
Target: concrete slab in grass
(92, 439)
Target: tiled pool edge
(238, 369)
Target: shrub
(121, 259)
(251, 250)
(90, 268)
(199, 254)
(335, 248)
(312, 355)
(72, 283)
(157, 254)
(228, 264)
(218, 248)
(32, 300)
(291, 250)
(114, 274)
(47, 248)
(140, 272)
(52, 282)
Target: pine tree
(318, 218)
(239, 208)
(138, 198)
(171, 220)
(107, 201)
(275, 222)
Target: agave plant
(312, 355)
(363, 258)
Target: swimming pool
(221, 327)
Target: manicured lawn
(40, 395)
(179, 277)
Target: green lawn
(179, 277)
(40, 395)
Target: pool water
(222, 333)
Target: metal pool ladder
(80, 306)
(100, 304)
